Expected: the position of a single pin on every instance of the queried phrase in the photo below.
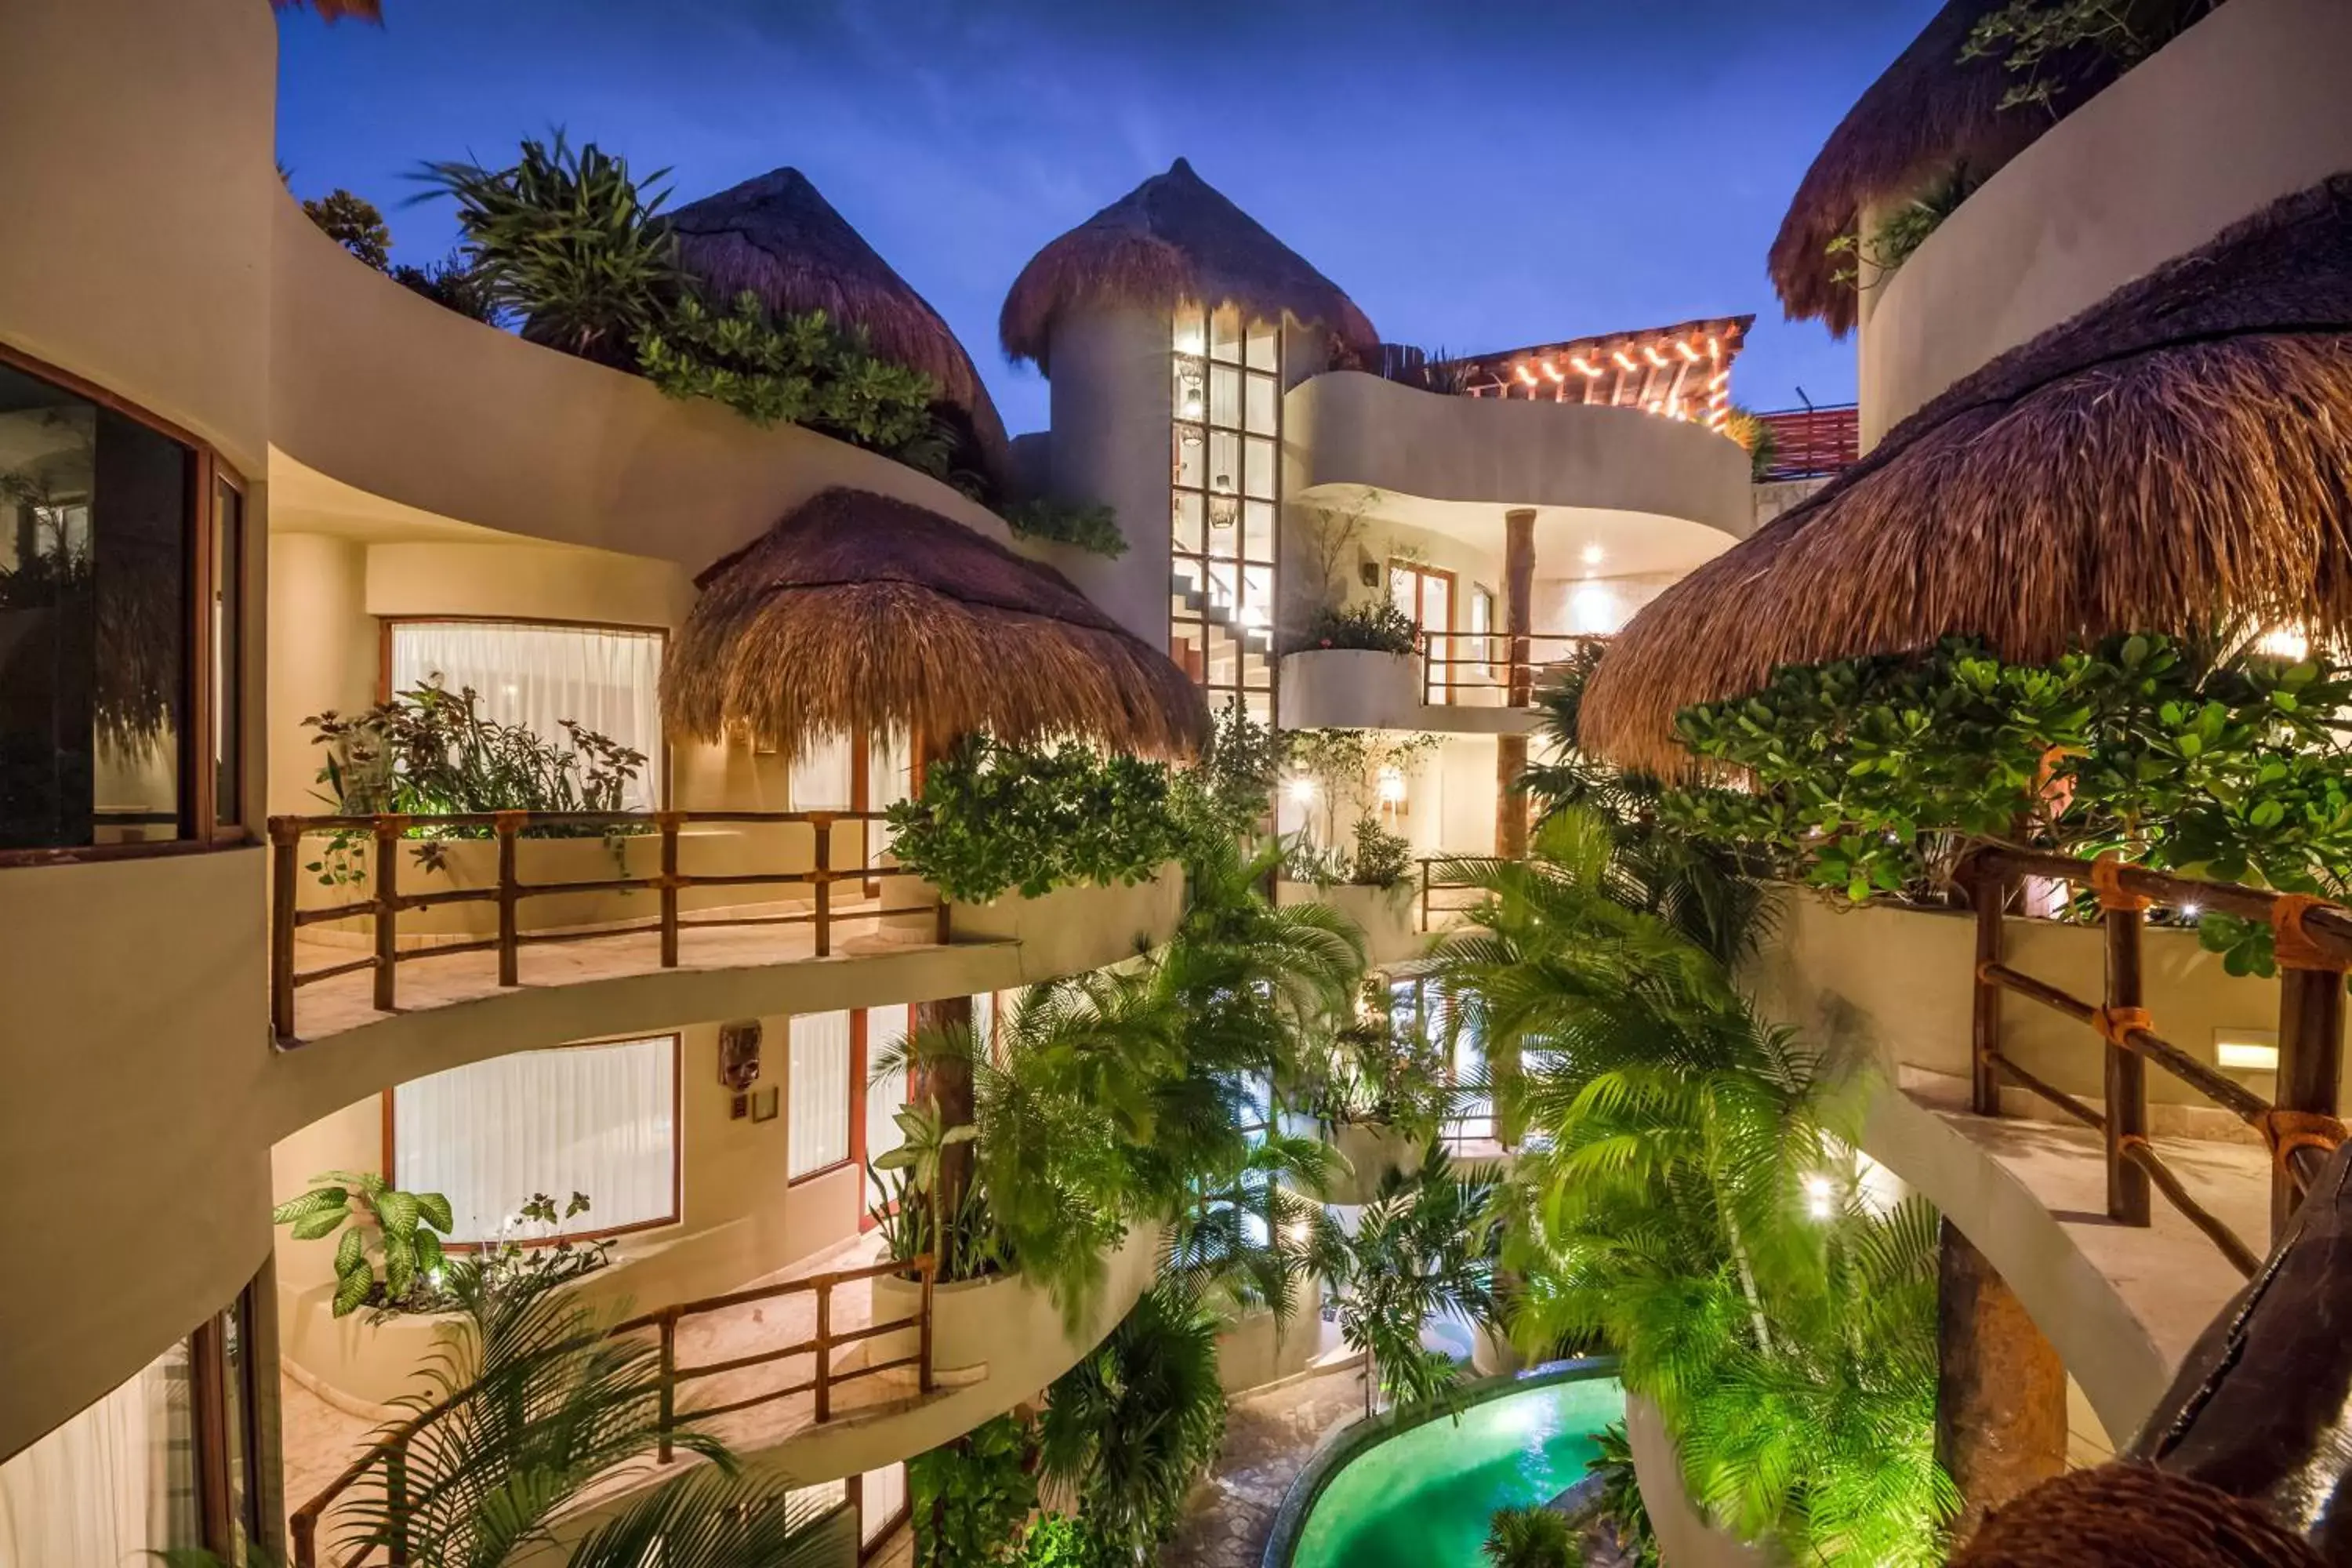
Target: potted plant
(1357, 663)
(1380, 1095)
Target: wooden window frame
(200, 828)
(676, 1146)
(1423, 576)
(208, 1375)
(386, 625)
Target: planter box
(1371, 1149)
(1351, 688)
(981, 1328)
(1385, 915)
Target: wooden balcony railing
(1812, 443)
(389, 1454)
(1494, 669)
(2314, 942)
(385, 902)
(1443, 891)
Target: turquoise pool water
(1421, 1500)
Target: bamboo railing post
(1989, 889)
(668, 821)
(824, 1350)
(2127, 1071)
(285, 853)
(823, 879)
(396, 1499)
(508, 824)
(387, 831)
(2311, 1057)
(668, 1413)
(304, 1527)
(923, 1372)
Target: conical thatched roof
(1930, 112)
(860, 610)
(777, 237)
(2179, 453)
(1172, 238)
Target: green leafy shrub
(1058, 1540)
(1421, 1249)
(965, 1245)
(1869, 775)
(1381, 859)
(995, 818)
(1619, 1507)
(354, 223)
(2032, 37)
(1885, 249)
(390, 1252)
(430, 752)
(1377, 626)
(1377, 1070)
(1532, 1537)
(970, 1497)
(1083, 525)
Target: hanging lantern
(1224, 506)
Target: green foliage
(1128, 1430)
(1378, 626)
(1058, 1540)
(801, 370)
(2044, 40)
(993, 817)
(1223, 798)
(1906, 228)
(1869, 775)
(1083, 525)
(1381, 859)
(970, 1496)
(354, 223)
(1619, 1507)
(390, 1254)
(430, 752)
(1532, 1537)
(1668, 1210)
(1260, 1236)
(911, 1215)
(1422, 1249)
(1755, 438)
(567, 241)
(1380, 1068)
(451, 283)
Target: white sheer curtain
(821, 778)
(599, 1120)
(882, 1497)
(113, 1483)
(606, 679)
(886, 1094)
(818, 1132)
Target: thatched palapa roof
(2177, 455)
(777, 237)
(858, 610)
(334, 10)
(1929, 112)
(1172, 238)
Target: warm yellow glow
(1593, 554)
(1623, 362)
(1302, 791)
(1720, 378)
(1650, 352)
(1586, 366)
(2246, 1056)
(1526, 375)
(1681, 347)
(1552, 370)
(1392, 786)
(2284, 642)
(1713, 348)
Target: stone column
(2001, 1389)
(1519, 622)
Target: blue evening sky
(1478, 174)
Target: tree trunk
(946, 1084)
(2001, 1389)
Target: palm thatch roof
(779, 239)
(1931, 112)
(2175, 457)
(1172, 238)
(334, 10)
(858, 610)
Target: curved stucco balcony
(2240, 110)
(1660, 495)
(389, 409)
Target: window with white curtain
(117, 1481)
(881, 1503)
(886, 1093)
(597, 1119)
(605, 678)
(821, 776)
(818, 1128)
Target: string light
(1623, 362)
(1586, 366)
(1650, 352)
(1714, 347)
(1526, 375)
(1683, 347)
(1552, 370)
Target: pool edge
(1342, 1444)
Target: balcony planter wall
(1351, 688)
(1253, 1350)
(1385, 915)
(981, 1328)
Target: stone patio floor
(1268, 1436)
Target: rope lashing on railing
(2115, 1024)
(2106, 882)
(2291, 944)
(2288, 1132)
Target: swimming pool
(1422, 1499)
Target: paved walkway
(1268, 1436)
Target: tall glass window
(1224, 499)
(817, 1089)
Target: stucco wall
(1347, 428)
(1110, 444)
(523, 582)
(2245, 107)
(1686, 1538)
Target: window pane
(1260, 482)
(818, 1131)
(117, 1481)
(1261, 405)
(599, 1120)
(821, 777)
(1226, 335)
(886, 1094)
(884, 1499)
(1265, 345)
(237, 1369)
(1190, 462)
(1225, 396)
(1257, 538)
(228, 620)
(1191, 392)
(141, 534)
(1187, 337)
(1188, 522)
(605, 679)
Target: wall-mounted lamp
(1302, 791)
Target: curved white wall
(1345, 427)
(2246, 107)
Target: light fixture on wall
(1190, 388)
(1594, 554)
(1224, 506)
(1391, 786)
(1302, 791)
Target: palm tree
(1422, 1250)
(1532, 1538)
(1619, 1506)
(530, 1402)
(1259, 1238)
(1128, 1430)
